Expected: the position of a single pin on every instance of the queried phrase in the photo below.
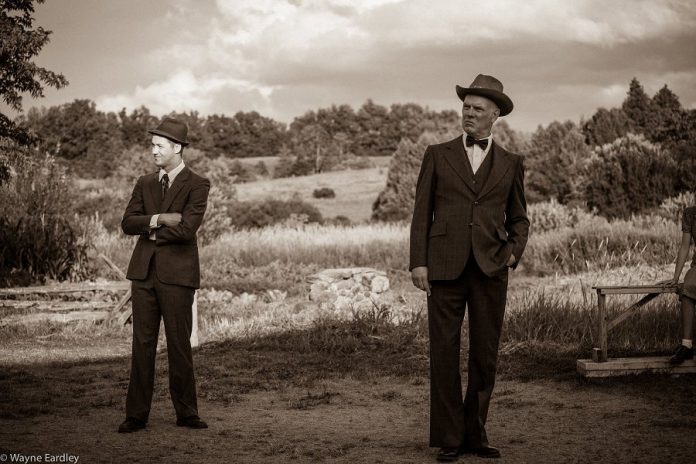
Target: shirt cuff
(153, 221)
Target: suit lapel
(179, 182)
(156, 189)
(501, 164)
(456, 157)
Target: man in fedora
(469, 227)
(165, 211)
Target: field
(283, 379)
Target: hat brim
(169, 136)
(499, 98)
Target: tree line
(618, 162)
(91, 139)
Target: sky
(557, 60)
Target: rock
(350, 289)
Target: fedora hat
(173, 129)
(489, 87)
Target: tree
(605, 126)
(395, 202)
(134, 126)
(18, 73)
(509, 138)
(555, 159)
(90, 139)
(668, 115)
(629, 175)
(370, 141)
(638, 107)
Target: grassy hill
(355, 191)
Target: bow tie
(483, 143)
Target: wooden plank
(633, 289)
(112, 266)
(601, 305)
(42, 306)
(632, 366)
(55, 317)
(122, 302)
(112, 286)
(630, 310)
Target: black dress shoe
(481, 451)
(681, 354)
(448, 454)
(192, 422)
(131, 424)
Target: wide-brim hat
(488, 87)
(172, 129)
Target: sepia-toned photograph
(347, 231)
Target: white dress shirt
(475, 153)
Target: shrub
(255, 214)
(108, 204)
(551, 215)
(37, 238)
(628, 176)
(324, 192)
(395, 202)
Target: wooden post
(194, 325)
(602, 307)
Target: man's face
(478, 116)
(167, 154)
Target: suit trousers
(154, 300)
(454, 422)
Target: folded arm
(135, 221)
(191, 217)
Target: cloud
(283, 57)
(183, 91)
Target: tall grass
(554, 318)
(380, 245)
(651, 240)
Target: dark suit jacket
(176, 248)
(454, 217)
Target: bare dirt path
(384, 420)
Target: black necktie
(165, 185)
(483, 143)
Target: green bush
(628, 176)
(38, 240)
(324, 192)
(107, 204)
(551, 215)
(256, 214)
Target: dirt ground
(381, 421)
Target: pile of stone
(350, 289)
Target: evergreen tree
(555, 159)
(628, 176)
(668, 115)
(605, 126)
(395, 202)
(638, 107)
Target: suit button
(471, 224)
(476, 203)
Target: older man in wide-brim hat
(165, 211)
(469, 228)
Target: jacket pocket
(502, 234)
(438, 228)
